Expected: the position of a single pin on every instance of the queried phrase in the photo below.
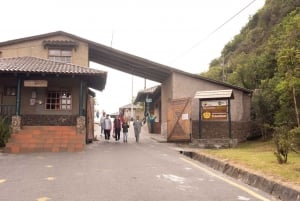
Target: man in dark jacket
(117, 127)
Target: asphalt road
(117, 171)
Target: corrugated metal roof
(214, 94)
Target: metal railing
(7, 110)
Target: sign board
(35, 83)
(214, 110)
(148, 100)
(185, 116)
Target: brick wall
(48, 120)
(45, 139)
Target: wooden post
(81, 99)
(229, 120)
(18, 96)
(200, 118)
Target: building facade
(44, 85)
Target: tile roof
(95, 78)
(37, 65)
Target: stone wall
(48, 120)
(219, 129)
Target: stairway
(45, 139)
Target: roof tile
(38, 65)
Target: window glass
(54, 52)
(66, 53)
(59, 100)
(10, 91)
(60, 55)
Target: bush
(283, 139)
(4, 131)
(296, 140)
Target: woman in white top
(107, 127)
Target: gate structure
(179, 120)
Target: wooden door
(179, 120)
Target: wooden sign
(214, 110)
(35, 83)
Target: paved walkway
(131, 137)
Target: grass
(259, 157)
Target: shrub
(296, 140)
(4, 131)
(283, 139)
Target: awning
(152, 93)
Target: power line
(214, 31)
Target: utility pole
(131, 97)
(223, 65)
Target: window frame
(62, 55)
(58, 99)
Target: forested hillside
(265, 57)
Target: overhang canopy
(214, 94)
(152, 92)
(128, 63)
(119, 60)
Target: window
(59, 100)
(10, 91)
(60, 55)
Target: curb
(276, 189)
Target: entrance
(179, 120)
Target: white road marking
(250, 192)
(172, 177)
(2, 181)
(243, 198)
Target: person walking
(102, 123)
(117, 127)
(137, 125)
(125, 127)
(107, 127)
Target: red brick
(15, 149)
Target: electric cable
(214, 31)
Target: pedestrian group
(117, 125)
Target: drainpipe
(18, 96)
